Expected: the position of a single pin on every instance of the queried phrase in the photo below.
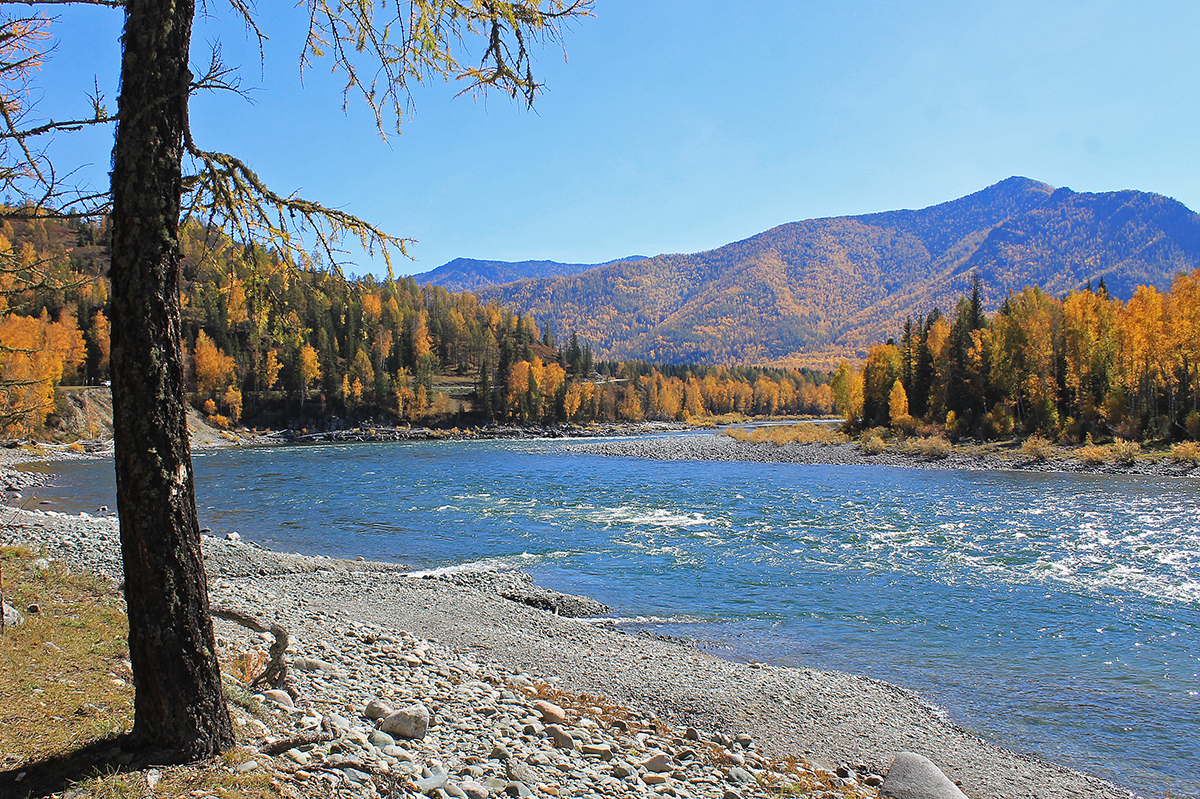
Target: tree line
(281, 342)
(1084, 364)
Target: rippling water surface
(1057, 614)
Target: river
(1057, 614)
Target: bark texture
(180, 711)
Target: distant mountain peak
(470, 274)
(820, 289)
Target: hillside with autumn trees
(295, 345)
(1086, 364)
(816, 291)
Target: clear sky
(681, 126)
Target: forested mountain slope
(820, 289)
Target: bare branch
(219, 77)
(228, 195)
(50, 127)
(26, 171)
(109, 3)
(383, 53)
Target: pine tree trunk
(180, 711)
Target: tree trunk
(180, 711)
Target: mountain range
(814, 291)
(469, 274)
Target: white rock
(12, 617)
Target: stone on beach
(278, 697)
(658, 762)
(550, 712)
(12, 616)
(313, 664)
(561, 738)
(914, 776)
(411, 722)
(377, 709)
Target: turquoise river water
(1051, 613)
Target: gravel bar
(718, 447)
(828, 718)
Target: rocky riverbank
(367, 433)
(639, 716)
(718, 447)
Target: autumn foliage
(297, 343)
(1086, 364)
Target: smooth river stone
(411, 722)
(914, 776)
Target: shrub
(1092, 454)
(1126, 451)
(872, 443)
(932, 447)
(1038, 448)
(999, 423)
(1192, 425)
(1186, 452)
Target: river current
(1057, 614)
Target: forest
(271, 343)
(1072, 367)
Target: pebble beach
(515, 694)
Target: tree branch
(109, 3)
(275, 672)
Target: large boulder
(914, 776)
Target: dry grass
(1186, 452)
(1122, 451)
(800, 778)
(931, 447)
(803, 433)
(1038, 448)
(720, 419)
(1125, 452)
(1093, 454)
(65, 691)
(63, 674)
(872, 443)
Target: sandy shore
(829, 717)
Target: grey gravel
(718, 447)
(351, 616)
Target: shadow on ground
(58, 773)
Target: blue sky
(680, 126)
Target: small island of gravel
(715, 446)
